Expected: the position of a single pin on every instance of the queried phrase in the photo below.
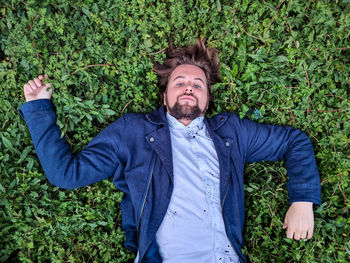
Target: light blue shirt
(193, 229)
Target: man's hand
(299, 221)
(36, 89)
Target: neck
(185, 122)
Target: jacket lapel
(159, 139)
(160, 142)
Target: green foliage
(43, 222)
(282, 62)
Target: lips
(187, 98)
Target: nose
(188, 88)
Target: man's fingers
(310, 233)
(38, 82)
(27, 88)
(41, 77)
(300, 235)
(32, 84)
(289, 233)
(297, 235)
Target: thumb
(47, 86)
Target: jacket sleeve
(272, 143)
(97, 161)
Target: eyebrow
(178, 77)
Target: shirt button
(227, 144)
(151, 139)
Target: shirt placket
(222, 251)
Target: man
(181, 173)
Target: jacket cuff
(305, 193)
(35, 105)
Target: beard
(184, 111)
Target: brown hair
(198, 55)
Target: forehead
(188, 71)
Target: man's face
(186, 96)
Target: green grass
(282, 62)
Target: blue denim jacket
(136, 151)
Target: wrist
(302, 203)
(31, 98)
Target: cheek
(171, 96)
(204, 99)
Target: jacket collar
(158, 117)
(216, 122)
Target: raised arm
(97, 161)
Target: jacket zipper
(223, 201)
(144, 200)
(222, 207)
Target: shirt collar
(196, 125)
